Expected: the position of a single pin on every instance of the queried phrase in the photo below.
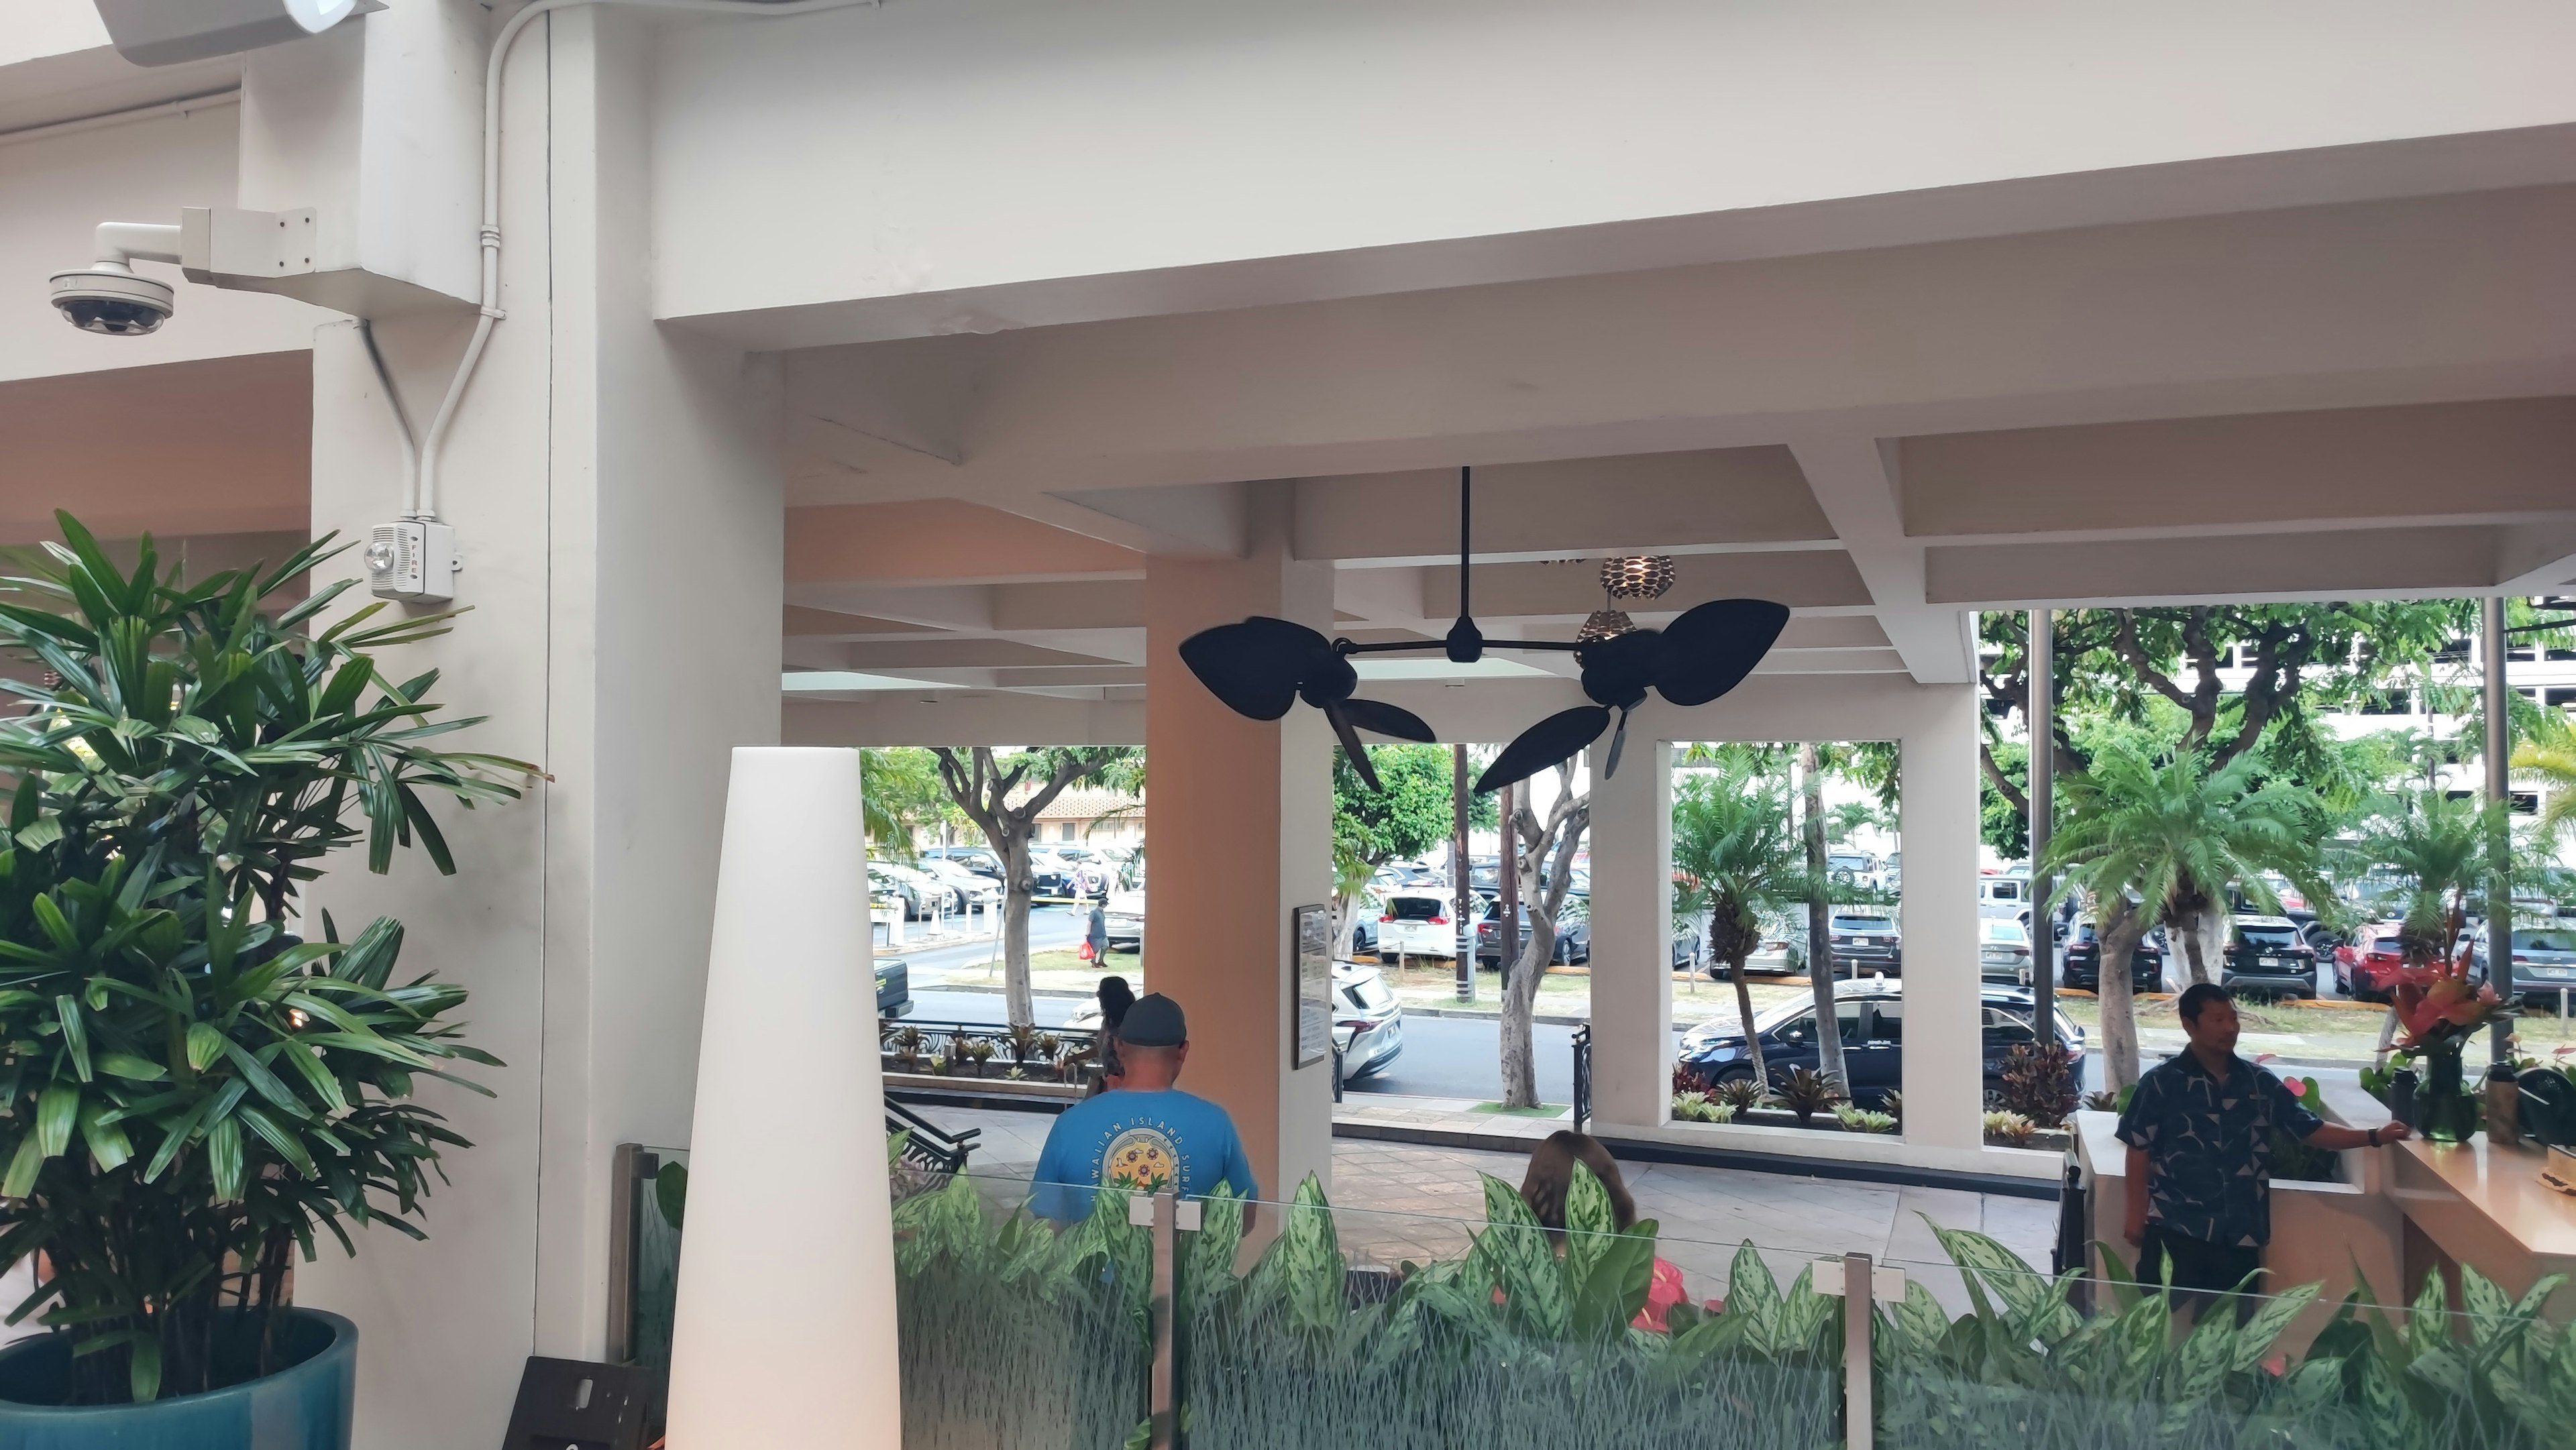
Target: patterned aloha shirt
(2209, 1146)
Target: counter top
(2501, 1185)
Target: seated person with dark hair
(1144, 1134)
(2199, 1130)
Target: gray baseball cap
(1155, 1021)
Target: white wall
(929, 160)
(618, 511)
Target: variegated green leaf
(2267, 1325)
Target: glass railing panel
(2069, 1364)
(1017, 1330)
(660, 1210)
(1326, 1328)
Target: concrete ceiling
(2374, 398)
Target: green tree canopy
(1413, 814)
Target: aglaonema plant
(188, 1089)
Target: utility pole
(1460, 884)
(2500, 886)
(2042, 711)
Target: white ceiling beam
(2384, 563)
(2426, 299)
(1681, 502)
(2538, 560)
(1855, 483)
(2499, 460)
(1202, 521)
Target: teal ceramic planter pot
(305, 1406)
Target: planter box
(988, 1086)
(305, 1406)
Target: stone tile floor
(1396, 1201)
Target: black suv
(2081, 954)
(1866, 939)
(2269, 954)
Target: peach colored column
(1242, 835)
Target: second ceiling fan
(1263, 666)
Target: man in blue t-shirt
(1144, 1134)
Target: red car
(2367, 969)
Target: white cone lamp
(786, 1327)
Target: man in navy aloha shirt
(2199, 1130)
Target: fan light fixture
(1602, 624)
(1263, 666)
(1637, 576)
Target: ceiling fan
(1263, 666)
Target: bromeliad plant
(186, 1088)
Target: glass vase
(2449, 1114)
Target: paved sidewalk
(1395, 1201)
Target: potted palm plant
(190, 1092)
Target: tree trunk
(1346, 920)
(2121, 930)
(1017, 887)
(2202, 932)
(1520, 999)
(1744, 1017)
(1820, 955)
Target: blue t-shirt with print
(1144, 1141)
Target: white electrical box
(412, 559)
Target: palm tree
(2153, 840)
(2442, 849)
(2548, 759)
(1739, 857)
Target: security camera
(108, 296)
(175, 32)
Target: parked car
(2544, 959)
(1050, 874)
(2004, 897)
(1866, 939)
(1415, 921)
(894, 987)
(1686, 946)
(1781, 952)
(2003, 951)
(1368, 1023)
(979, 859)
(1850, 866)
(2366, 968)
(2267, 954)
(970, 886)
(1870, 1018)
(1573, 934)
(922, 896)
(2080, 956)
(1123, 914)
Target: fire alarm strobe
(412, 559)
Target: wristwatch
(2374, 1137)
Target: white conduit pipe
(421, 498)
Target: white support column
(1632, 933)
(618, 509)
(1243, 830)
(1944, 1067)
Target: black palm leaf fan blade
(1337, 711)
(1393, 721)
(1551, 741)
(1255, 668)
(1710, 648)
